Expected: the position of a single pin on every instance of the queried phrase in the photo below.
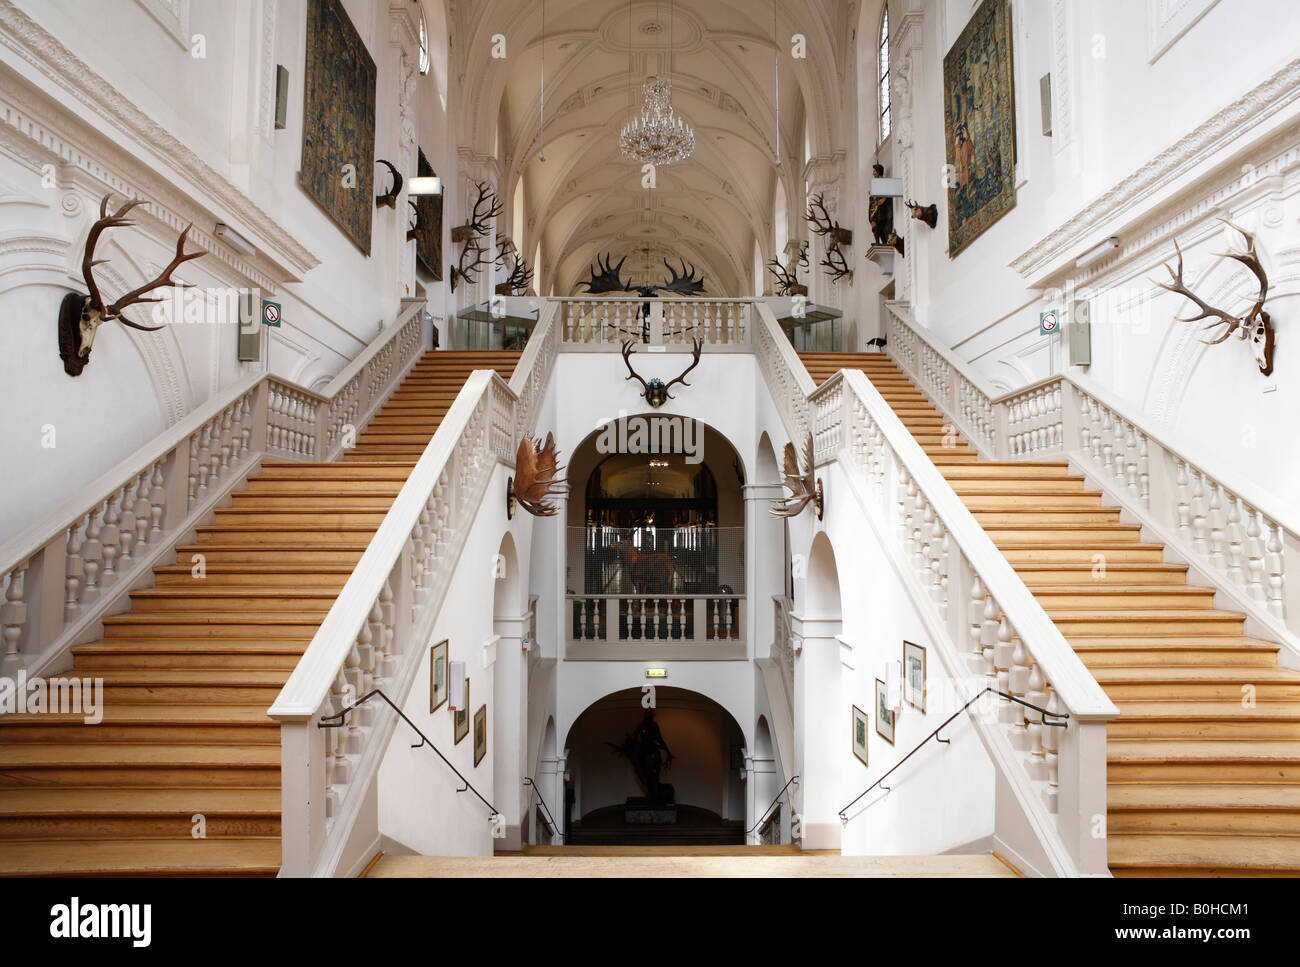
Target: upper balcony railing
(604, 323)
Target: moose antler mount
(520, 277)
(80, 316)
(804, 486)
(1255, 325)
(655, 391)
(836, 235)
(605, 276)
(535, 482)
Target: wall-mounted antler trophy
(655, 392)
(468, 270)
(414, 228)
(535, 481)
(486, 207)
(929, 214)
(687, 283)
(81, 316)
(521, 276)
(837, 236)
(606, 277)
(1255, 325)
(804, 487)
(389, 198)
(787, 275)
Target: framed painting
(884, 714)
(338, 121)
(428, 240)
(438, 691)
(914, 675)
(480, 734)
(860, 734)
(979, 122)
(460, 718)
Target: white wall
(105, 98)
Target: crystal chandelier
(655, 136)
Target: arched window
(424, 45)
(884, 77)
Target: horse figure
(650, 572)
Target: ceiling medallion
(655, 136)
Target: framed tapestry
(338, 121)
(428, 240)
(979, 123)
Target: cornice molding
(1248, 112)
(47, 56)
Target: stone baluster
(1200, 526)
(1036, 694)
(1255, 546)
(74, 568)
(141, 510)
(1236, 551)
(1051, 755)
(1018, 685)
(126, 528)
(13, 618)
(1275, 565)
(975, 610)
(989, 638)
(1183, 502)
(92, 552)
(111, 537)
(1216, 522)
(193, 489)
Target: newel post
(302, 795)
(1081, 811)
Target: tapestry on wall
(428, 241)
(338, 129)
(979, 117)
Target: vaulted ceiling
(586, 197)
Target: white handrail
(370, 636)
(65, 572)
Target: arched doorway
(697, 795)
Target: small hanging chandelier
(655, 136)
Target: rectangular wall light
(424, 185)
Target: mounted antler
(1255, 325)
(837, 268)
(520, 277)
(534, 481)
(823, 224)
(687, 283)
(608, 278)
(389, 198)
(655, 392)
(413, 229)
(468, 272)
(487, 206)
(787, 276)
(81, 316)
(505, 248)
(804, 487)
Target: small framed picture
(860, 734)
(884, 714)
(480, 734)
(460, 717)
(438, 676)
(914, 675)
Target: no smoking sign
(271, 314)
(1048, 322)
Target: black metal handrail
(934, 735)
(326, 723)
(555, 829)
(772, 805)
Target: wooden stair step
(180, 856)
(1180, 854)
(118, 764)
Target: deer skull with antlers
(1255, 325)
(655, 392)
(81, 316)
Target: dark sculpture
(880, 212)
(606, 277)
(646, 749)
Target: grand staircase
(1200, 782)
(182, 776)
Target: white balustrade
(59, 577)
(604, 323)
(1237, 537)
(371, 636)
(630, 625)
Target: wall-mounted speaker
(250, 326)
(1045, 96)
(281, 96)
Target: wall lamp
(234, 239)
(424, 185)
(1097, 252)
